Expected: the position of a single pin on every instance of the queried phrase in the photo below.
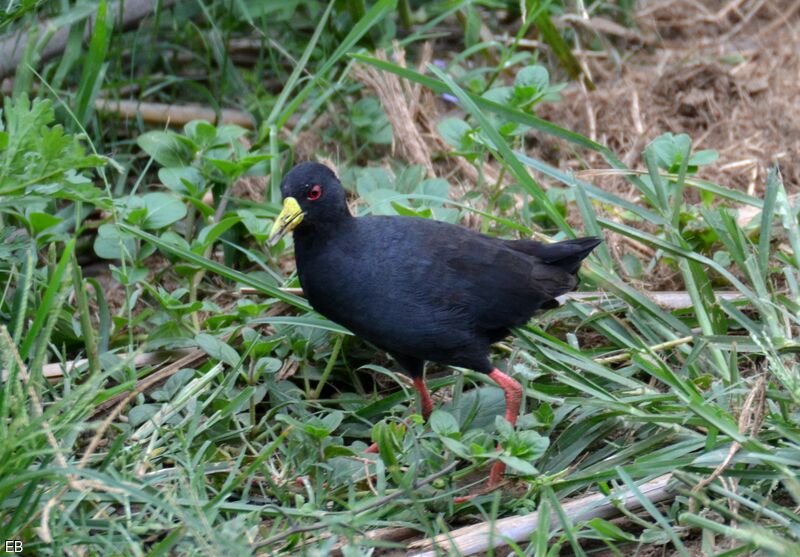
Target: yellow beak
(291, 215)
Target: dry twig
(487, 535)
(57, 370)
(174, 115)
(126, 14)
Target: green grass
(254, 439)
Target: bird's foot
(372, 449)
(495, 482)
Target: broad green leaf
(217, 349)
(162, 210)
(520, 465)
(42, 221)
(443, 423)
(166, 149)
(455, 132)
(182, 180)
(111, 243)
(142, 413)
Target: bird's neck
(321, 231)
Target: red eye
(315, 192)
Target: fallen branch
(616, 358)
(666, 299)
(126, 14)
(487, 535)
(56, 370)
(390, 534)
(190, 358)
(176, 115)
(747, 214)
(670, 300)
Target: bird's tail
(566, 255)
(569, 253)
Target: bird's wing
(385, 285)
(499, 287)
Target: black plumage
(419, 289)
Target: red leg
(513, 394)
(424, 397)
(425, 402)
(372, 449)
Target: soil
(725, 73)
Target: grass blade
(523, 178)
(650, 508)
(560, 48)
(299, 67)
(375, 14)
(47, 304)
(93, 65)
(214, 267)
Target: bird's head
(312, 195)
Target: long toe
(494, 481)
(496, 474)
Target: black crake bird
(420, 289)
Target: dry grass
(404, 106)
(726, 73)
(414, 113)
